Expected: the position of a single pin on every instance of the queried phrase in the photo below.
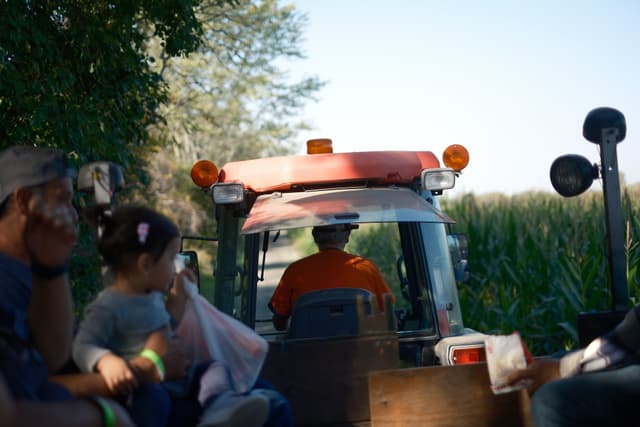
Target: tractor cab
(336, 337)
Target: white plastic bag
(209, 334)
(505, 354)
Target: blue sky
(510, 80)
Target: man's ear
(22, 196)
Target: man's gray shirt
(117, 323)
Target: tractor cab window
(286, 221)
(380, 243)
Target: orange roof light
(204, 173)
(319, 146)
(456, 157)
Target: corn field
(537, 260)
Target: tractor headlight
(226, 193)
(436, 180)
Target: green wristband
(108, 417)
(153, 356)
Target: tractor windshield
(282, 211)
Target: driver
(330, 267)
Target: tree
(231, 100)
(76, 74)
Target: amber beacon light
(204, 173)
(456, 157)
(319, 146)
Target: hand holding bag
(209, 334)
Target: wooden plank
(443, 396)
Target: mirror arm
(265, 246)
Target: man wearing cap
(37, 233)
(330, 267)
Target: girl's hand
(177, 296)
(170, 350)
(119, 377)
(177, 289)
(172, 353)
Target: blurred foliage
(381, 244)
(85, 273)
(233, 99)
(77, 74)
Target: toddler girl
(139, 246)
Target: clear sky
(510, 80)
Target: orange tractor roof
(281, 173)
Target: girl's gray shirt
(117, 323)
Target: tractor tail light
(468, 354)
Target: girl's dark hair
(129, 231)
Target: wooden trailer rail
(443, 396)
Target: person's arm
(280, 302)
(172, 353)
(70, 413)
(603, 352)
(50, 235)
(86, 351)
(599, 354)
(51, 320)
(91, 342)
(279, 322)
(170, 350)
(82, 385)
(7, 407)
(627, 333)
(606, 351)
(539, 372)
(177, 296)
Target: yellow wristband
(157, 361)
(108, 417)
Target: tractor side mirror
(459, 249)
(104, 179)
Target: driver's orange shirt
(329, 268)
